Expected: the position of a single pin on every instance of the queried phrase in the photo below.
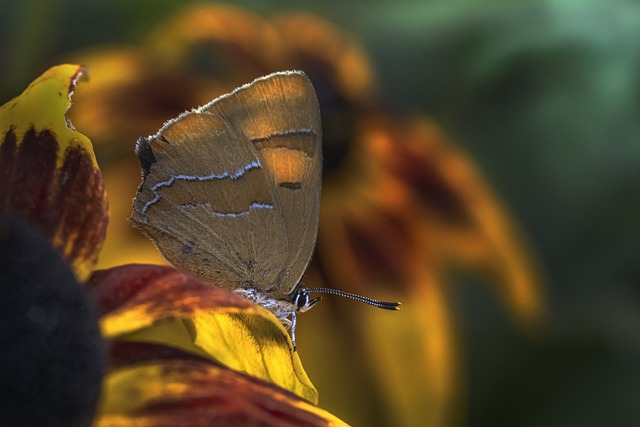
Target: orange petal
(131, 92)
(164, 306)
(124, 244)
(239, 45)
(330, 56)
(415, 354)
(418, 199)
(470, 222)
(48, 169)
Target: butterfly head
(302, 299)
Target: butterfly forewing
(231, 190)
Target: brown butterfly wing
(232, 189)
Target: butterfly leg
(293, 329)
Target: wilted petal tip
(81, 73)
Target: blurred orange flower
(401, 204)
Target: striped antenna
(374, 302)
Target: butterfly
(231, 192)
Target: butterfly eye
(302, 302)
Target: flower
(401, 203)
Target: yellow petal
(186, 393)
(242, 45)
(49, 172)
(43, 106)
(433, 373)
(163, 306)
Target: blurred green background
(545, 96)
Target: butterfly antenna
(374, 302)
